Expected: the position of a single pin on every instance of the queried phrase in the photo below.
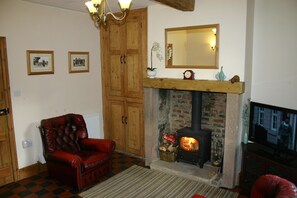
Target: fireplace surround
(232, 122)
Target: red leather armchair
(70, 155)
(273, 186)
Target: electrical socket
(26, 143)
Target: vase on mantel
(221, 75)
(151, 73)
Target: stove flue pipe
(196, 110)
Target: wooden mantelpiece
(194, 85)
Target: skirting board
(30, 171)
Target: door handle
(124, 58)
(126, 120)
(4, 111)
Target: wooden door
(133, 56)
(134, 128)
(7, 144)
(115, 60)
(117, 123)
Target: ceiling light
(99, 9)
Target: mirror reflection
(192, 47)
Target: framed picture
(78, 62)
(40, 62)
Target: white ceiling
(79, 5)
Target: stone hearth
(233, 102)
(208, 174)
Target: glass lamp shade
(125, 4)
(91, 7)
(96, 2)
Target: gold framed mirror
(192, 47)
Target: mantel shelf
(194, 85)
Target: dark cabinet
(258, 160)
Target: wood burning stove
(194, 143)
(194, 146)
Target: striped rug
(142, 182)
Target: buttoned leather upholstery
(70, 155)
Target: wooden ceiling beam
(183, 5)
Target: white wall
(28, 26)
(275, 53)
(230, 14)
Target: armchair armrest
(64, 157)
(103, 145)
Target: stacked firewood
(169, 143)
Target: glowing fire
(189, 144)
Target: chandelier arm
(95, 18)
(119, 18)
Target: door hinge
(4, 111)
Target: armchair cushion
(70, 155)
(106, 146)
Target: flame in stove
(189, 144)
